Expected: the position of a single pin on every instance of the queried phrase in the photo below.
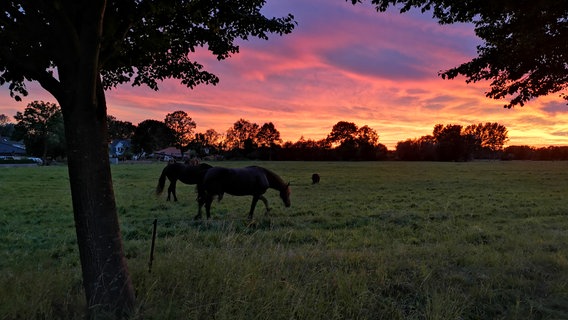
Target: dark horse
(252, 181)
(315, 178)
(187, 174)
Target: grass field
(373, 240)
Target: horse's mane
(274, 180)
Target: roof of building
(8, 147)
(170, 151)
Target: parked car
(36, 160)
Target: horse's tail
(161, 182)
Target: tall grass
(372, 240)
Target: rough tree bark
(107, 283)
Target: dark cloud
(555, 107)
(381, 63)
(560, 133)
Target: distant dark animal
(187, 174)
(315, 178)
(252, 181)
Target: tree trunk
(107, 283)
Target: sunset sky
(341, 63)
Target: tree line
(40, 127)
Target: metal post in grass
(152, 248)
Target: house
(11, 148)
(119, 148)
(169, 153)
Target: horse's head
(285, 195)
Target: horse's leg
(208, 201)
(253, 205)
(265, 204)
(172, 190)
(200, 203)
(169, 191)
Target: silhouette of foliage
(151, 135)
(342, 132)
(118, 129)
(454, 143)
(268, 135)
(41, 128)
(6, 127)
(213, 139)
(451, 144)
(182, 126)
(489, 138)
(550, 153)
(242, 136)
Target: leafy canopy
(143, 41)
(525, 43)
(41, 128)
(182, 126)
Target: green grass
(373, 240)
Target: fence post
(152, 248)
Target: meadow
(372, 240)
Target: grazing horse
(252, 181)
(185, 173)
(315, 178)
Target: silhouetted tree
(342, 137)
(451, 144)
(381, 152)
(307, 150)
(150, 136)
(408, 150)
(423, 149)
(182, 126)
(213, 139)
(524, 44)
(197, 145)
(41, 128)
(76, 50)
(427, 147)
(341, 132)
(519, 153)
(268, 135)
(367, 142)
(552, 153)
(118, 129)
(354, 143)
(367, 135)
(242, 136)
(6, 127)
(489, 138)
(268, 138)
